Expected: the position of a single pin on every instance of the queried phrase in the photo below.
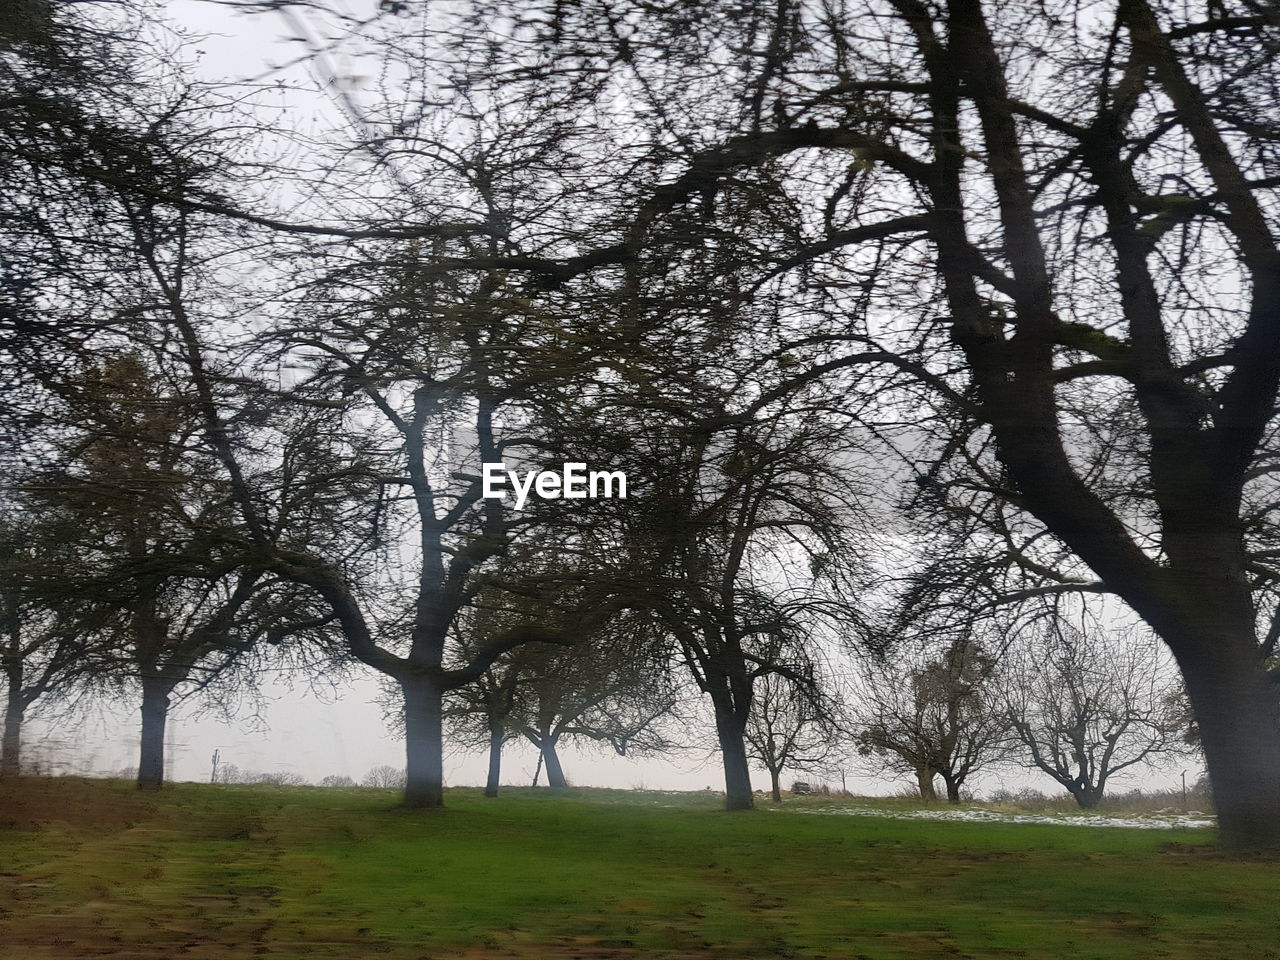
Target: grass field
(93, 869)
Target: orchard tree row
(907, 323)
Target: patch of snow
(1190, 820)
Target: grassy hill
(93, 869)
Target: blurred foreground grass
(93, 869)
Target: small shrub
(282, 778)
(385, 776)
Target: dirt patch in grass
(574, 948)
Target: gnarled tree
(941, 718)
(1088, 707)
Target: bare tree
(1066, 291)
(384, 776)
(145, 562)
(1083, 271)
(418, 374)
(940, 718)
(278, 778)
(106, 186)
(1088, 706)
(736, 511)
(790, 728)
(482, 713)
(612, 689)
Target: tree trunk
(15, 705)
(775, 777)
(1206, 615)
(924, 782)
(496, 736)
(953, 788)
(424, 742)
(733, 750)
(155, 716)
(14, 714)
(1235, 705)
(1087, 798)
(551, 760)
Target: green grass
(90, 868)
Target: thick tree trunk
(775, 784)
(424, 742)
(15, 705)
(1206, 615)
(924, 782)
(1087, 798)
(496, 736)
(155, 717)
(11, 752)
(551, 760)
(953, 789)
(1235, 706)
(733, 750)
(1200, 604)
